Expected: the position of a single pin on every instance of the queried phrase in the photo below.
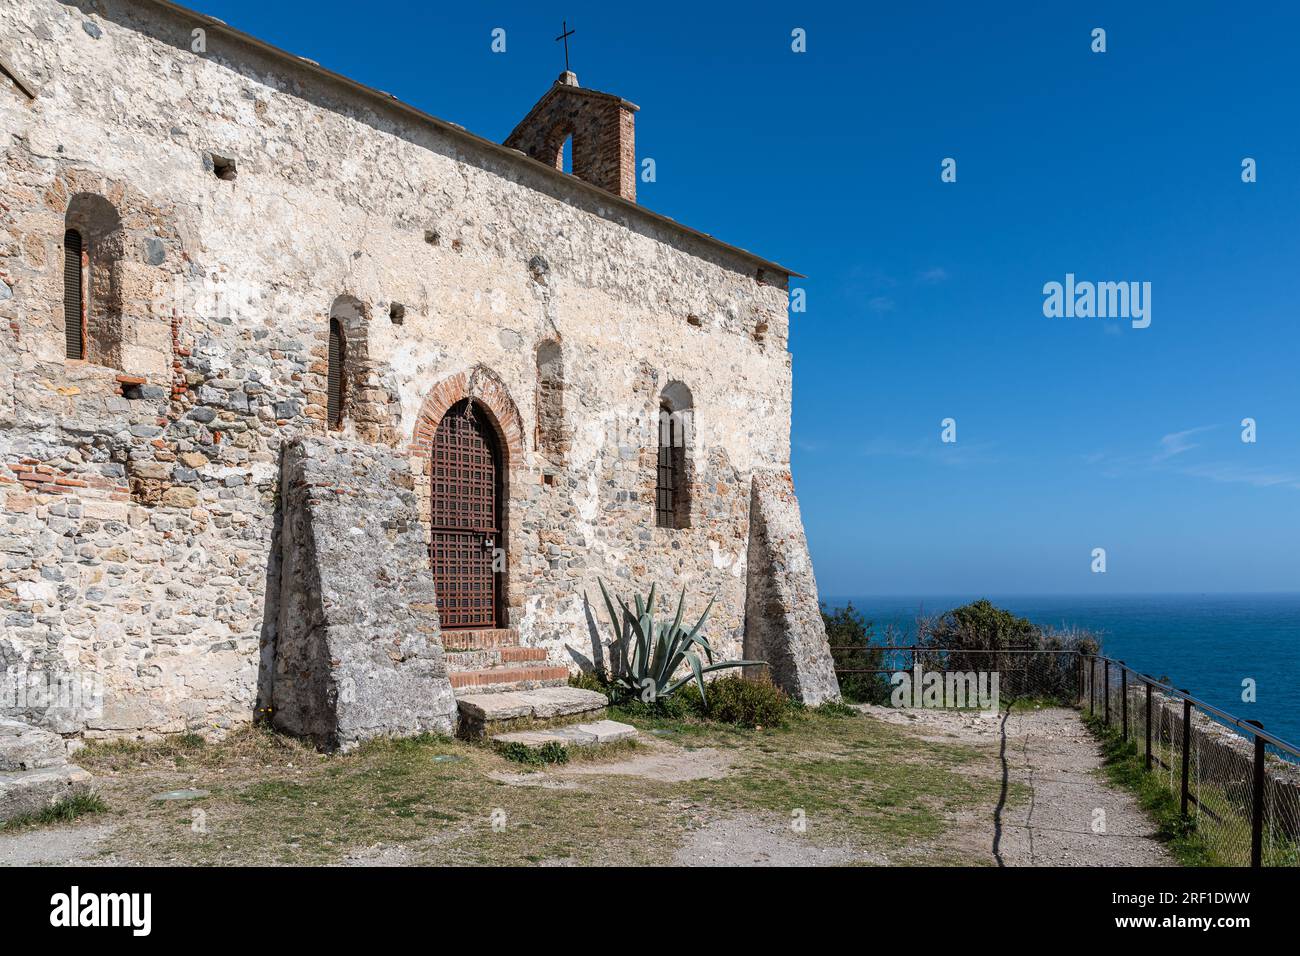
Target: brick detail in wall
(40, 478)
(483, 640)
(603, 128)
(522, 655)
(487, 390)
(494, 676)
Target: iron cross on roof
(564, 25)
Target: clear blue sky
(925, 298)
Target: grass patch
(1125, 767)
(837, 708)
(275, 801)
(557, 753)
(859, 779)
(63, 811)
(550, 752)
(252, 744)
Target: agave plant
(647, 653)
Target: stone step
(31, 791)
(573, 735)
(480, 640)
(24, 747)
(479, 660)
(507, 677)
(482, 714)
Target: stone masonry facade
(358, 651)
(235, 200)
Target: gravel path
(73, 845)
(751, 840)
(1073, 816)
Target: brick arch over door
(486, 388)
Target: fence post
(1105, 689)
(1148, 683)
(1187, 747)
(1123, 701)
(1257, 815)
(1092, 687)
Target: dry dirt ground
(1073, 816)
(883, 787)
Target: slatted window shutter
(335, 385)
(73, 300)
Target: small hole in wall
(694, 320)
(431, 236)
(130, 386)
(397, 313)
(548, 480)
(224, 168)
(760, 332)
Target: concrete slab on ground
(575, 735)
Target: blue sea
(1205, 643)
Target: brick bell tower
(603, 129)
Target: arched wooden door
(465, 518)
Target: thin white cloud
(1228, 473)
(1173, 445)
(1176, 443)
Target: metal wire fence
(1048, 676)
(1238, 784)
(1235, 783)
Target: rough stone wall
(783, 620)
(358, 653)
(137, 502)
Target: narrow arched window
(95, 285)
(668, 477)
(334, 385)
(673, 476)
(74, 315)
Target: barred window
(668, 474)
(673, 476)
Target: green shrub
(849, 635)
(743, 702)
(1030, 659)
(679, 706)
(734, 700)
(586, 680)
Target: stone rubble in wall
(137, 517)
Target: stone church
(315, 406)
